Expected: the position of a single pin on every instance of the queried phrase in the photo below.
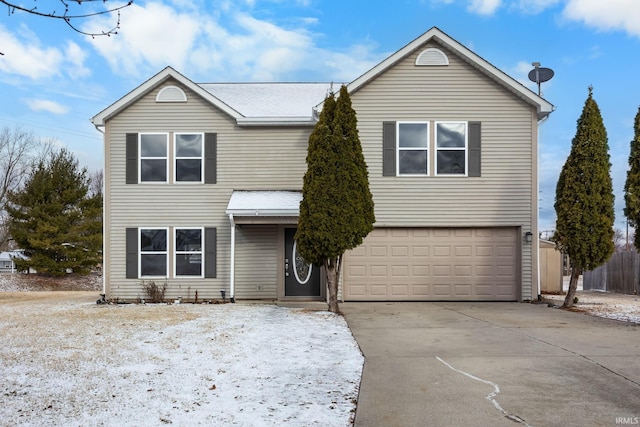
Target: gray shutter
(132, 158)
(210, 253)
(475, 152)
(132, 253)
(389, 149)
(210, 160)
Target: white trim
(427, 147)
(171, 93)
(141, 157)
(232, 259)
(176, 252)
(465, 148)
(431, 57)
(166, 253)
(175, 158)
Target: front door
(301, 279)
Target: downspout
(232, 285)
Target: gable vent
(171, 94)
(430, 57)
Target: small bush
(154, 291)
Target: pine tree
(54, 219)
(632, 184)
(584, 198)
(336, 211)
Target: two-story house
(203, 183)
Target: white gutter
(232, 285)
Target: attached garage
(435, 264)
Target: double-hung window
(154, 152)
(189, 151)
(189, 252)
(451, 148)
(153, 252)
(413, 148)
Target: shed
(550, 267)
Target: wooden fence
(621, 274)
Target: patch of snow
(131, 365)
(621, 307)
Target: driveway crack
(491, 397)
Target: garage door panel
(434, 264)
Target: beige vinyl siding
(269, 158)
(501, 197)
(256, 261)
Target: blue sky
(53, 80)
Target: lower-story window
(189, 251)
(153, 252)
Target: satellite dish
(540, 74)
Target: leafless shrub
(154, 291)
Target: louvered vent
(171, 94)
(431, 57)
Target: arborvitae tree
(336, 211)
(584, 198)
(55, 220)
(632, 184)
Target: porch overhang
(259, 207)
(264, 207)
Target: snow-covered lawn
(65, 361)
(621, 307)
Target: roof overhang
(266, 204)
(276, 121)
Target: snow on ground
(71, 362)
(621, 307)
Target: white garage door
(435, 264)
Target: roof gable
(544, 108)
(164, 75)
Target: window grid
(189, 250)
(457, 141)
(186, 156)
(153, 246)
(152, 158)
(412, 138)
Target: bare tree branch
(68, 16)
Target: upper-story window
(413, 148)
(190, 158)
(451, 148)
(154, 152)
(189, 150)
(432, 148)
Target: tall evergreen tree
(55, 220)
(336, 211)
(584, 198)
(632, 184)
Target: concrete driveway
(493, 364)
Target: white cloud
(154, 35)
(226, 46)
(484, 7)
(606, 15)
(46, 105)
(75, 56)
(26, 57)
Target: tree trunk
(573, 285)
(332, 267)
